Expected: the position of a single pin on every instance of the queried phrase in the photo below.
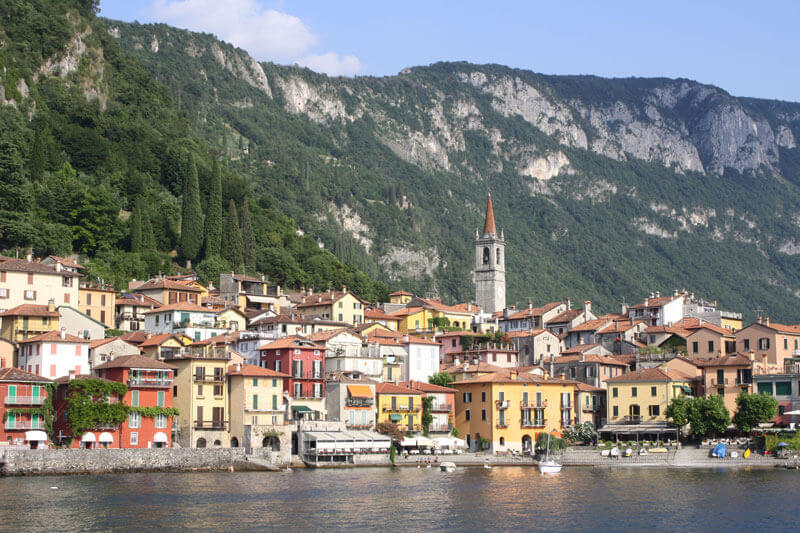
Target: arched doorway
(201, 442)
(527, 444)
(234, 442)
(217, 443)
(274, 443)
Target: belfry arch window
(498, 256)
(486, 255)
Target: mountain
(606, 188)
(96, 158)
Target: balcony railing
(359, 402)
(149, 382)
(534, 423)
(24, 424)
(211, 424)
(209, 378)
(533, 405)
(24, 400)
(715, 382)
(442, 407)
(503, 424)
(403, 408)
(307, 375)
(501, 404)
(301, 396)
(632, 419)
(358, 426)
(440, 428)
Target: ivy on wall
(154, 411)
(89, 407)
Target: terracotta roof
(15, 374)
(327, 298)
(291, 342)
(31, 310)
(650, 374)
(66, 379)
(591, 325)
(100, 342)
(566, 316)
(425, 387)
(413, 339)
(339, 376)
(327, 334)
(134, 361)
(183, 306)
(735, 359)
(504, 376)
(391, 388)
(589, 358)
(585, 387)
(22, 265)
(166, 283)
(297, 318)
(244, 277)
(437, 305)
(655, 302)
(137, 300)
(367, 325)
(526, 333)
(401, 293)
(406, 311)
(618, 326)
(448, 334)
(783, 328)
(716, 329)
(535, 311)
(223, 338)
(135, 337)
(69, 263)
(255, 371)
(489, 226)
(471, 367)
(578, 348)
(55, 336)
(377, 314)
(156, 340)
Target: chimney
(530, 304)
(238, 367)
(582, 357)
(752, 357)
(72, 374)
(581, 340)
(658, 294)
(569, 304)
(562, 376)
(51, 305)
(344, 288)
(188, 264)
(505, 313)
(652, 295)
(552, 362)
(759, 320)
(624, 308)
(469, 307)
(766, 321)
(587, 306)
(263, 277)
(29, 256)
(405, 339)
(675, 292)
(58, 266)
(513, 373)
(63, 333)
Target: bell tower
(490, 265)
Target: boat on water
(447, 466)
(549, 466)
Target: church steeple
(489, 227)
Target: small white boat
(487, 466)
(447, 466)
(549, 466)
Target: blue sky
(747, 48)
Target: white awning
(39, 436)
(444, 442)
(424, 441)
(460, 443)
(160, 437)
(88, 437)
(408, 442)
(261, 299)
(106, 437)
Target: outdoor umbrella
(795, 412)
(782, 444)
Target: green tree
(37, 155)
(443, 379)
(136, 228)
(754, 409)
(248, 238)
(427, 414)
(191, 214)
(232, 250)
(148, 237)
(708, 416)
(210, 268)
(213, 223)
(677, 412)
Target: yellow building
(98, 303)
(399, 405)
(248, 292)
(29, 282)
(232, 319)
(164, 345)
(420, 313)
(643, 396)
(200, 394)
(342, 306)
(400, 297)
(731, 321)
(256, 400)
(504, 410)
(167, 291)
(27, 320)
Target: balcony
(442, 407)
(440, 428)
(307, 375)
(501, 404)
(359, 402)
(717, 383)
(348, 425)
(632, 419)
(503, 424)
(24, 400)
(211, 424)
(215, 378)
(534, 423)
(402, 408)
(533, 405)
(150, 382)
(24, 425)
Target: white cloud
(266, 34)
(332, 64)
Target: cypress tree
(213, 228)
(148, 237)
(37, 156)
(136, 228)
(233, 250)
(248, 238)
(191, 214)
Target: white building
(658, 310)
(196, 322)
(345, 352)
(422, 359)
(54, 354)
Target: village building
(426, 316)
(727, 376)
(291, 323)
(590, 404)
(20, 393)
(571, 318)
(163, 346)
(530, 318)
(399, 405)
(248, 292)
(658, 310)
(168, 291)
(257, 405)
(773, 345)
(54, 354)
(490, 265)
(130, 309)
(350, 398)
(98, 303)
(501, 354)
(535, 345)
(784, 386)
(25, 281)
(709, 341)
(80, 324)
(196, 322)
(341, 306)
(589, 368)
(304, 361)
(345, 352)
(105, 350)
(443, 408)
(28, 320)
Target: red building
(305, 362)
(149, 385)
(21, 392)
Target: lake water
(409, 499)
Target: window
(486, 255)
(103, 299)
(615, 411)
(466, 415)
(785, 343)
(30, 295)
(199, 390)
(298, 390)
(134, 438)
(720, 377)
(134, 398)
(615, 392)
(255, 382)
(653, 391)
(763, 343)
(710, 346)
(174, 391)
(501, 396)
(747, 345)
(4, 293)
(277, 366)
(654, 410)
(217, 390)
(468, 397)
(274, 402)
(765, 388)
(160, 398)
(66, 297)
(255, 402)
(102, 316)
(695, 348)
(134, 420)
(483, 414)
(633, 392)
(783, 388)
(161, 421)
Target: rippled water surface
(410, 499)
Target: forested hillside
(97, 159)
(606, 189)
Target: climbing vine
(154, 411)
(89, 405)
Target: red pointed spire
(489, 227)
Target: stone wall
(77, 461)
